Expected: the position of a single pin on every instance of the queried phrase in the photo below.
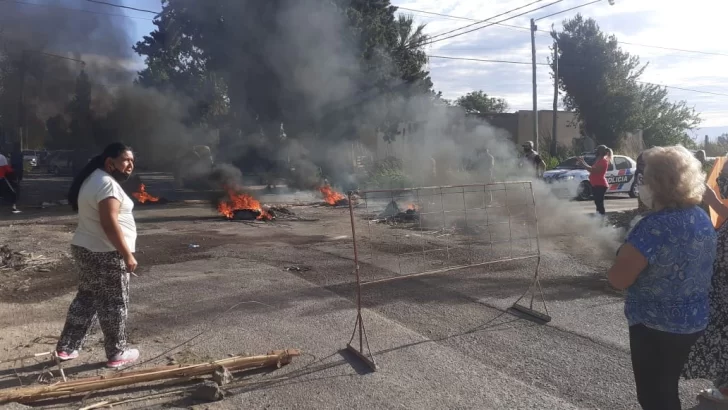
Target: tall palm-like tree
(409, 35)
(410, 51)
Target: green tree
(664, 122)
(601, 84)
(409, 54)
(599, 80)
(265, 59)
(478, 102)
(174, 64)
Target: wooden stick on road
(73, 387)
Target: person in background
(18, 163)
(532, 158)
(8, 190)
(700, 155)
(598, 176)
(708, 358)
(488, 165)
(666, 265)
(639, 172)
(103, 249)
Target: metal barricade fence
(405, 233)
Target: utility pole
(554, 140)
(535, 97)
(534, 28)
(21, 101)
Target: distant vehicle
(60, 163)
(43, 157)
(571, 179)
(30, 157)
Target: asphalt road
(441, 341)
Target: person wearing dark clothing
(533, 159)
(16, 162)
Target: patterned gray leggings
(103, 292)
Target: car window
(572, 163)
(622, 163)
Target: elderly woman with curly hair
(666, 265)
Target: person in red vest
(598, 176)
(8, 190)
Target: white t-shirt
(89, 234)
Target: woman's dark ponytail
(111, 151)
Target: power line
(684, 89)
(123, 7)
(486, 26)
(564, 11)
(545, 64)
(711, 53)
(682, 50)
(73, 9)
(486, 20)
(435, 14)
(483, 60)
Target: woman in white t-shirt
(103, 249)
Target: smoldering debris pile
(626, 219)
(20, 260)
(394, 214)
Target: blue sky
(695, 25)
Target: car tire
(584, 191)
(634, 190)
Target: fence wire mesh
(406, 233)
(423, 231)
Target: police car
(569, 179)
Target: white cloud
(693, 25)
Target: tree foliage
(478, 102)
(81, 126)
(601, 84)
(284, 61)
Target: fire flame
(413, 207)
(239, 202)
(331, 197)
(142, 196)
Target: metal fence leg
(367, 356)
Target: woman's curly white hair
(675, 177)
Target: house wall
(567, 127)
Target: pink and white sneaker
(122, 359)
(66, 356)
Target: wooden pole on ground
(69, 388)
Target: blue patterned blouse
(671, 294)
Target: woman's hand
(131, 263)
(629, 264)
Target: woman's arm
(585, 165)
(711, 198)
(630, 262)
(109, 215)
